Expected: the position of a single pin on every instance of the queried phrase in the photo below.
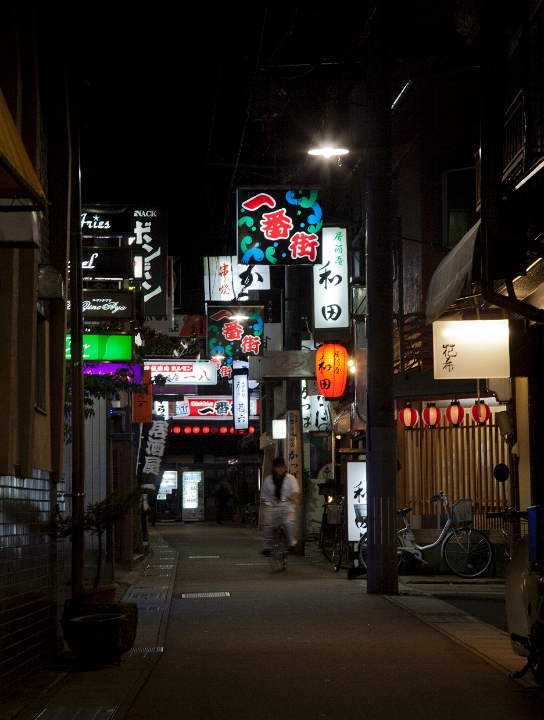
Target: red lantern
(408, 417)
(431, 415)
(455, 413)
(331, 369)
(480, 413)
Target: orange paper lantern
(331, 369)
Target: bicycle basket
(462, 513)
(274, 514)
(333, 514)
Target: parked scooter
(525, 589)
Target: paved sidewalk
(101, 694)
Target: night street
(305, 643)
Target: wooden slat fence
(458, 460)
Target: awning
(451, 276)
(16, 172)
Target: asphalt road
(306, 643)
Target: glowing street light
(328, 152)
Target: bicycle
(274, 515)
(340, 548)
(467, 552)
(251, 515)
(329, 529)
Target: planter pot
(74, 609)
(101, 594)
(97, 639)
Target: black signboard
(108, 304)
(149, 238)
(279, 226)
(106, 220)
(107, 263)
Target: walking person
(280, 486)
(223, 494)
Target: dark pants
(221, 510)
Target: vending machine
(192, 498)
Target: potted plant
(100, 600)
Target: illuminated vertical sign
(240, 398)
(331, 283)
(278, 226)
(150, 236)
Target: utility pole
(293, 391)
(381, 436)
(76, 354)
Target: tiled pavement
(101, 694)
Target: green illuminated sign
(104, 347)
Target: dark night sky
(165, 96)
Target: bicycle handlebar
(509, 515)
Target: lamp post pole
(381, 431)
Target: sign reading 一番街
(471, 349)
(234, 332)
(117, 348)
(331, 282)
(278, 226)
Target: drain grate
(160, 567)
(205, 595)
(148, 596)
(77, 713)
(139, 650)
(202, 557)
(447, 618)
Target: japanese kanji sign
(277, 226)
(152, 450)
(142, 403)
(331, 283)
(234, 332)
(190, 372)
(240, 398)
(471, 349)
(150, 239)
(316, 411)
(225, 280)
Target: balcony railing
(413, 343)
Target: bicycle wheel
(468, 554)
(363, 551)
(339, 551)
(329, 536)
(278, 556)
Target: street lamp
(328, 151)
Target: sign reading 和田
(331, 286)
(278, 226)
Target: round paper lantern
(431, 415)
(480, 413)
(408, 417)
(331, 369)
(455, 414)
